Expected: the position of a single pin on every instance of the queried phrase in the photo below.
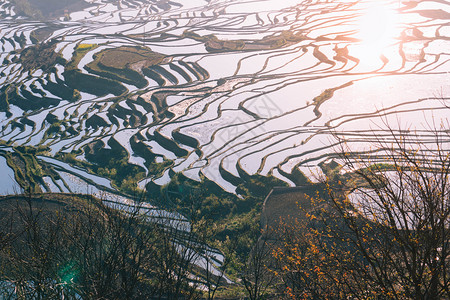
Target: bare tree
(29, 268)
(258, 275)
(213, 269)
(382, 230)
(75, 247)
(398, 217)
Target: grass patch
(28, 172)
(80, 51)
(125, 64)
(214, 44)
(124, 57)
(234, 219)
(109, 163)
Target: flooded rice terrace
(221, 88)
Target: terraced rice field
(222, 88)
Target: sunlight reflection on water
(378, 27)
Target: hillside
(38, 9)
(55, 246)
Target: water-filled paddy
(7, 182)
(263, 93)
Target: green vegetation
(80, 51)
(57, 129)
(20, 96)
(28, 172)
(214, 44)
(231, 220)
(110, 163)
(4, 97)
(124, 64)
(92, 84)
(234, 219)
(125, 56)
(315, 231)
(41, 56)
(79, 81)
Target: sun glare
(377, 28)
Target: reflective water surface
(264, 96)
